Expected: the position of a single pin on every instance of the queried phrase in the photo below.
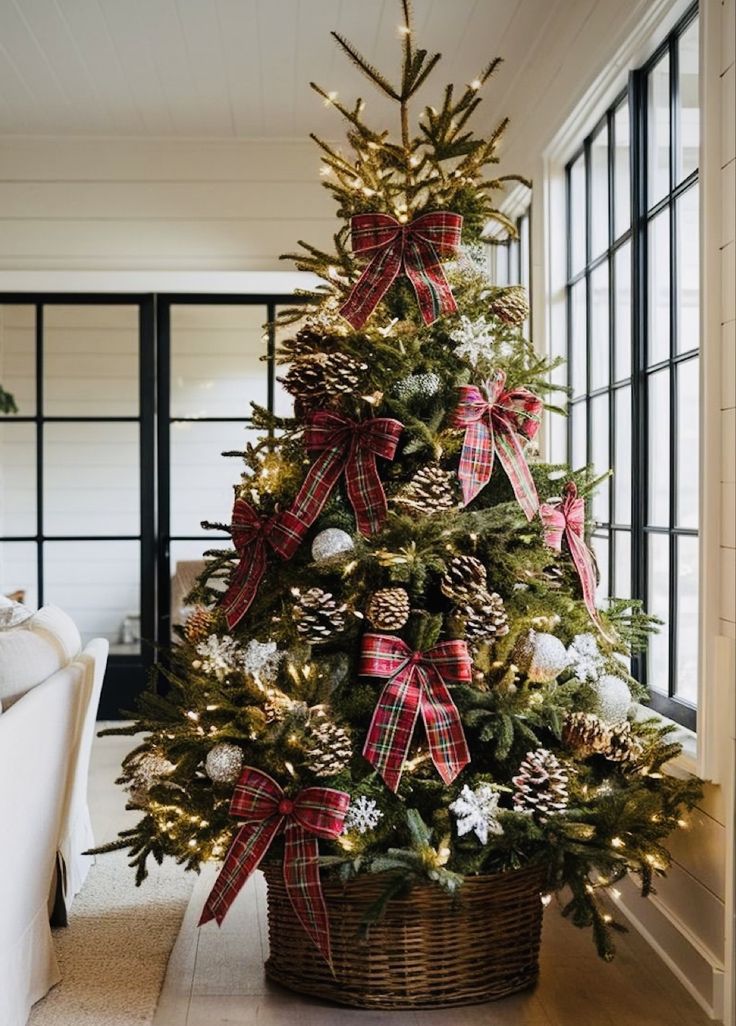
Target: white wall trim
(229, 282)
(655, 934)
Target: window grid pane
(632, 355)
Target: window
(632, 299)
(511, 260)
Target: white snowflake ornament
(477, 811)
(586, 660)
(363, 815)
(219, 655)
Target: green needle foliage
(292, 709)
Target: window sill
(686, 763)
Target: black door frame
(126, 674)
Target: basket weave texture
(427, 950)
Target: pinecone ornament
(343, 375)
(308, 340)
(198, 625)
(624, 746)
(511, 305)
(431, 490)
(318, 615)
(330, 748)
(585, 734)
(388, 609)
(483, 619)
(541, 785)
(465, 579)
(305, 380)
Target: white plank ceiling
(241, 68)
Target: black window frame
(635, 96)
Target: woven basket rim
(329, 877)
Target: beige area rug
(113, 954)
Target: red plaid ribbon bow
(412, 249)
(494, 420)
(314, 812)
(417, 682)
(349, 446)
(252, 535)
(566, 518)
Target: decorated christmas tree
(398, 668)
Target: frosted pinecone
(541, 784)
(388, 609)
(585, 734)
(305, 380)
(431, 490)
(318, 615)
(465, 579)
(198, 625)
(483, 619)
(343, 375)
(624, 745)
(510, 304)
(329, 748)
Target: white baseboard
(697, 968)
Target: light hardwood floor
(215, 977)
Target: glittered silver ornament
(613, 698)
(331, 543)
(541, 657)
(224, 763)
(417, 386)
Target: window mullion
(39, 454)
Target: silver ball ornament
(613, 699)
(224, 763)
(148, 770)
(541, 657)
(331, 543)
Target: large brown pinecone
(307, 341)
(585, 734)
(511, 304)
(318, 616)
(624, 746)
(198, 625)
(388, 609)
(465, 579)
(305, 380)
(343, 375)
(482, 619)
(431, 490)
(329, 748)
(541, 784)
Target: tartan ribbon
(412, 249)
(347, 446)
(252, 536)
(497, 421)
(266, 810)
(417, 683)
(565, 518)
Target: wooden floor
(215, 976)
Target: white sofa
(45, 744)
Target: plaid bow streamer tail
(566, 519)
(313, 813)
(412, 249)
(497, 421)
(417, 683)
(339, 446)
(252, 536)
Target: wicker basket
(425, 952)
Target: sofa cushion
(34, 650)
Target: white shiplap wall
(95, 204)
